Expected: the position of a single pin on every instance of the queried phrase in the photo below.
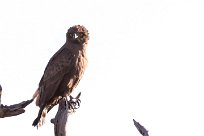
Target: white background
(146, 61)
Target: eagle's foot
(74, 103)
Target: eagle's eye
(75, 36)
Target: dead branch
(61, 118)
(140, 128)
(12, 110)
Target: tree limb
(12, 110)
(61, 118)
(140, 128)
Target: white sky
(145, 62)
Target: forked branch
(12, 110)
(61, 118)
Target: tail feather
(35, 122)
(39, 121)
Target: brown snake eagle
(63, 72)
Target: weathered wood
(140, 128)
(61, 118)
(12, 110)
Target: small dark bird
(63, 72)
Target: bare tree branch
(140, 128)
(12, 110)
(61, 118)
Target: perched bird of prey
(63, 71)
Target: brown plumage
(63, 71)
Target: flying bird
(63, 72)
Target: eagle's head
(77, 34)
